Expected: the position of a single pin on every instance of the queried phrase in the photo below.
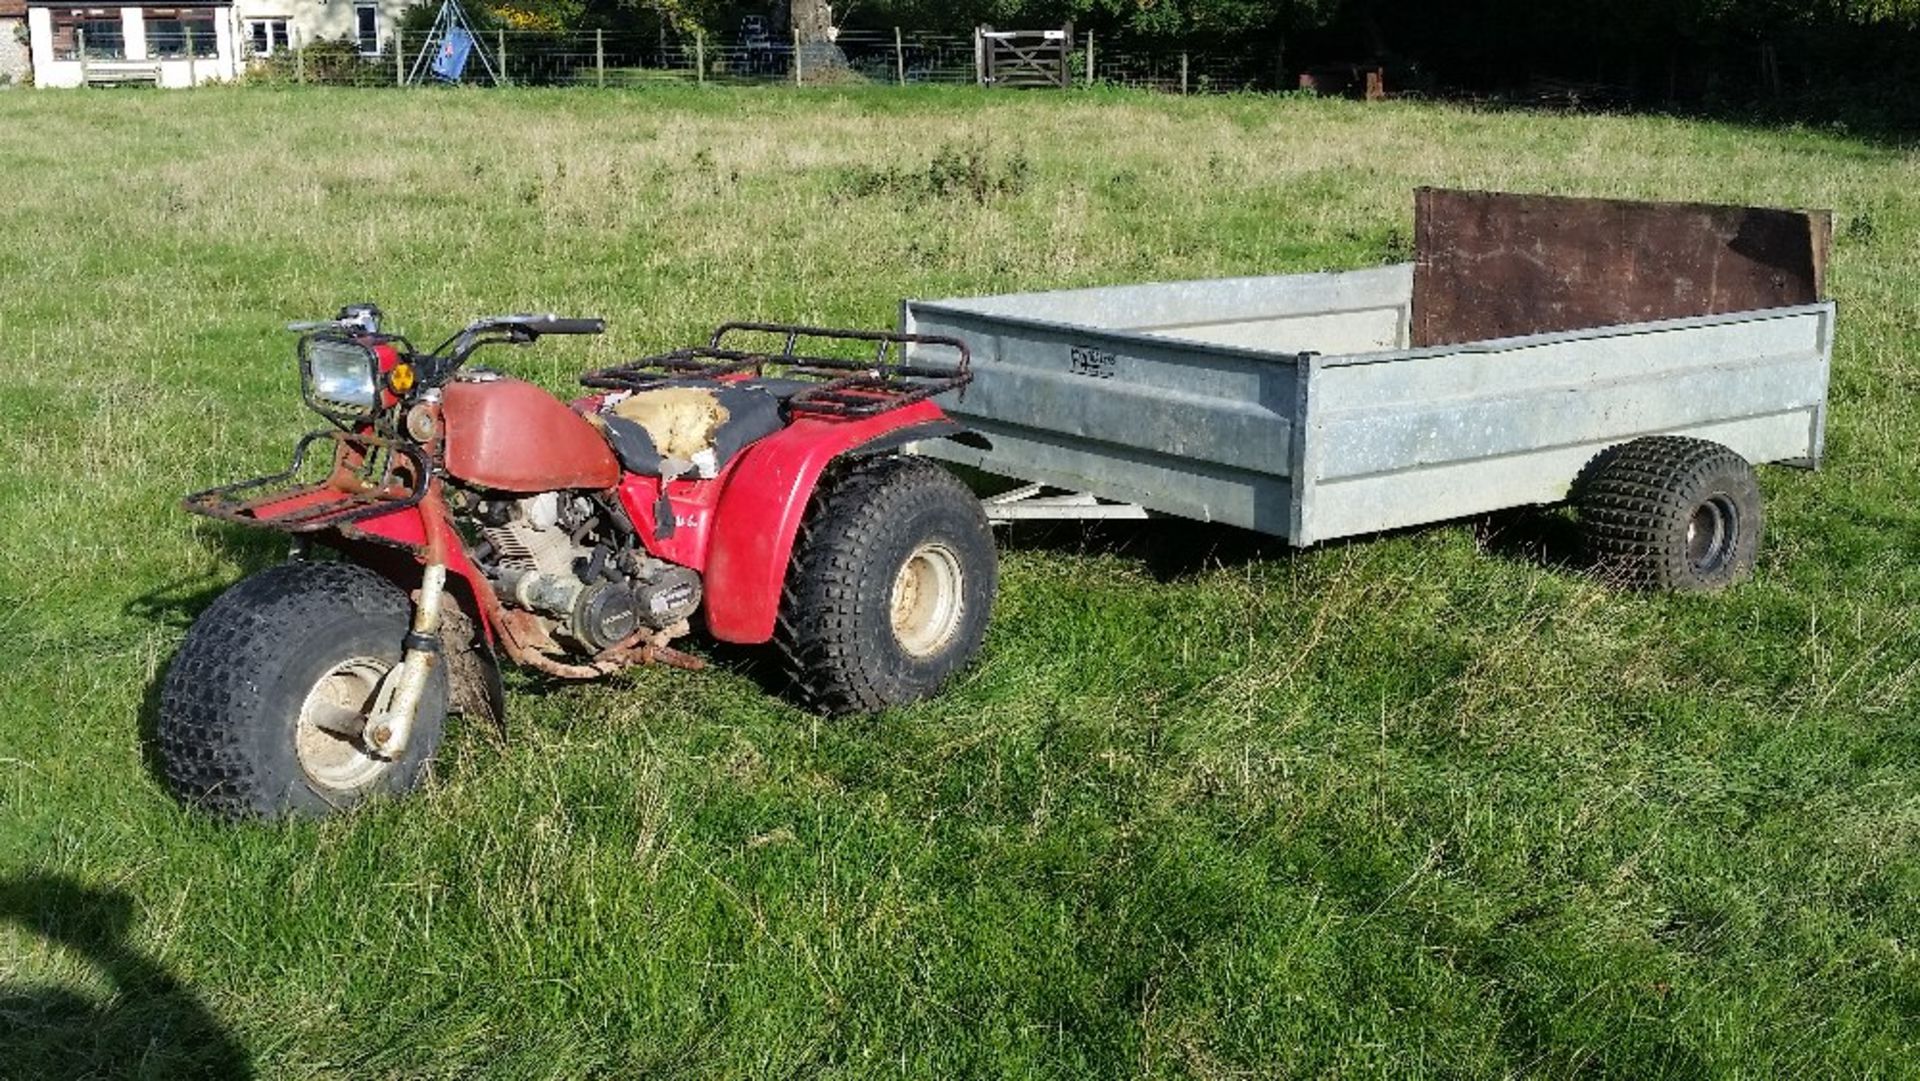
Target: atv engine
(566, 557)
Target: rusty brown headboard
(1492, 265)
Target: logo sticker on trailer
(1088, 361)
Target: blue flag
(454, 51)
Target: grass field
(1424, 804)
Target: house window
(269, 36)
(176, 33)
(100, 28)
(366, 19)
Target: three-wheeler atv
(756, 485)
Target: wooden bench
(113, 73)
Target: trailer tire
(891, 584)
(238, 728)
(1672, 513)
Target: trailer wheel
(891, 584)
(1673, 513)
(260, 710)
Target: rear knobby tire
(1672, 513)
(891, 584)
(236, 726)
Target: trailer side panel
(1400, 439)
(1179, 428)
(1179, 397)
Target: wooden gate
(1023, 58)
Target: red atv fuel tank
(512, 436)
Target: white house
(189, 41)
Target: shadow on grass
(1168, 549)
(1884, 129)
(153, 1025)
(1536, 536)
(1174, 549)
(179, 603)
(150, 728)
(759, 664)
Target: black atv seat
(781, 389)
(753, 413)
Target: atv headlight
(339, 377)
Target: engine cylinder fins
(595, 595)
(508, 550)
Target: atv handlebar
(549, 324)
(502, 330)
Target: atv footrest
(845, 386)
(370, 476)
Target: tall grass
(1409, 805)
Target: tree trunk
(813, 29)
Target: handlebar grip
(548, 324)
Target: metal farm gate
(1025, 58)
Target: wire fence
(1184, 72)
(609, 58)
(619, 58)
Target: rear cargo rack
(371, 476)
(844, 387)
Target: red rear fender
(760, 508)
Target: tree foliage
(1641, 51)
(1498, 22)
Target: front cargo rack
(839, 386)
(370, 476)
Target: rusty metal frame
(359, 496)
(847, 388)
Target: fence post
(700, 57)
(1089, 58)
(193, 65)
(399, 57)
(80, 50)
(500, 48)
(979, 58)
(299, 58)
(600, 58)
(797, 74)
(1183, 72)
(899, 58)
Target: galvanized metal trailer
(1310, 407)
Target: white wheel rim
(328, 738)
(1712, 533)
(927, 602)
